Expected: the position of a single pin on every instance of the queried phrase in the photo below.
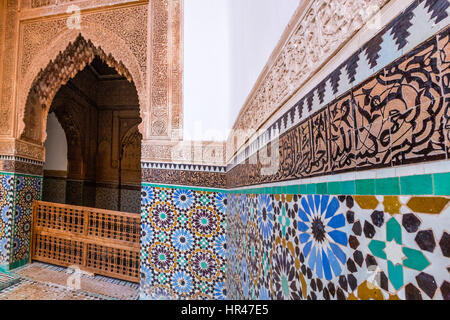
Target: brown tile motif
(444, 64)
(320, 137)
(291, 152)
(320, 247)
(367, 202)
(447, 124)
(342, 135)
(392, 205)
(304, 133)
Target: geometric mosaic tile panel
(6, 209)
(338, 247)
(18, 193)
(27, 190)
(183, 244)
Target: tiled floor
(7, 280)
(40, 281)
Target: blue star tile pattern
(184, 243)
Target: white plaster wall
(55, 145)
(206, 69)
(226, 46)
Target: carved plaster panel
(166, 70)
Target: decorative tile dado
(338, 247)
(28, 189)
(21, 165)
(391, 85)
(183, 243)
(18, 193)
(187, 167)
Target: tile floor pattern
(39, 281)
(17, 193)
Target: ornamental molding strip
(183, 167)
(20, 159)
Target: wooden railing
(98, 241)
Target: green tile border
(365, 187)
(441, 184)
(348, 187)
(334, 187)
(322, 188)
(417, 185)
(11, 264)
(4, 268)
(428, 184)
(18, 264)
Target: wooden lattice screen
(99, 241)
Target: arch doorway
(84, 109)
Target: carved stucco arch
(101, 38)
